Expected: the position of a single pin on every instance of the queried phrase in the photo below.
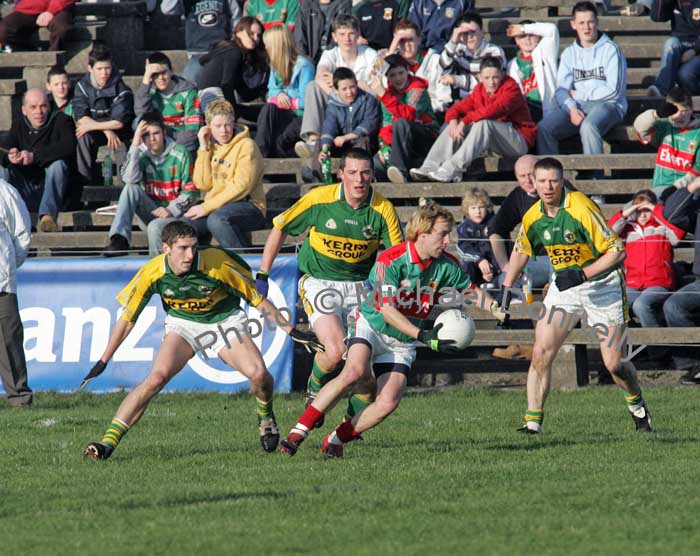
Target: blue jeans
(230, 223)
(193, 67)
(154, 231)
(41, 194)
(647, 305)
(682, 308)
(671, 70)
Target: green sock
(634, 402)
(264, 410)
(535, 416)
(116, 429)
(318, 376)
(356, 403)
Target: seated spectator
(436, 19)
(279, 123)
(477, 258)
(239, 67)
(103, 108)
(534, 67)
(157, 188)
(58, 84)
(206, 23)
(348, 54)
(409, 127)
(313, 26)
(591, 88)
(494, 118)
(675, 130)
(41, 150)
(462, 56)
(229, 168)
(173, 97)
(641, 7)
(17, 28)
(680, 55)
(273, 12)
(377, 18)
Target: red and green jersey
(167, 176)
(529, 81)
(180, 110)
(677, 154)
(401, 279)
(273, 12)
(342, 243)
(413, 105)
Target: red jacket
(506, 105)
(35, 7)
(412, 105)
(649, 249)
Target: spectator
(477, 258)
(675, 130)
(591, 88)
(15, 236)
(58, 84)
(273, 12)
(239, 67)
(206, 23)
(17, 28)
(462, 56)
(680, 62)
(279, 123)
(494, 118)
(103, 108)
(641, 7)
(436, 19)
(378, 19)
(409, 126)
(312, 29)
(534, 66)
(229, 168)
(41, 148)
(173, 97)
(347, 54)
(157, 188)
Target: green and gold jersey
(575, 238)
(342, 243)
(209, 292)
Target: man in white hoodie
(591, 88)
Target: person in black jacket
(312, 28)
(103, 108)
(477, 258)
(41, 147)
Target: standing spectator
(18, 27)
(15, 236)
(173, 97)
(534, 67)
(494, 118)
(239, 67)
(58, 84)
(206, 23)
(273, 12)
(436, 19)
(462, 56)
(280, 120)
(229, 168)
(378, 19)
(312, 29)
(591, 88)
(41, 148)
(103, 108)
(478, 260)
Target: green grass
(446, 474)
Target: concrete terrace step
(12, 87)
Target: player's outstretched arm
(272, 247)
(273, 315)
(119, 334)
(515, 267)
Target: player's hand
(504, 308)
(666, 110)
(97, 369)
(261, 283)
(308, 340)
(569, 279)
(430, 339)
(497, 311)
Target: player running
(347, 221)
(383, 330)
(201, 291)
(587, 259)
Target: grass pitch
(446, 474)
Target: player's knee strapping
(114, 433)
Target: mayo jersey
(208, 293)
(575, 238)
(342, 243)
(678, 152)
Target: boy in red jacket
(493, 118)
(30, 14)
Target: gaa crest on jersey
(569, 236)
(449, 13)
(547, 235)
(330, 224)
(691, 146)
(206, 290)
(696, 14)
(169, 292)
(368, 232)
(388, 13)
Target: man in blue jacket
(437, 19)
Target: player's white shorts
(204, 335)
(329, 297)
(387, 352)
(603, 301)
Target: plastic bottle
(108, 170)
(527, 286)
(326, 173)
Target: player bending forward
(587, 259)
(201, 292)
(383, 330)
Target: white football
(456, 325)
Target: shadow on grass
(527, 444)
(194, 500)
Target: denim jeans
(647, 305)
(671, 70)
(682, 308)
(154, 231)
(193, 66)
(43, 195)
(230, 223)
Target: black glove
(261, 283)
(430, 339)
(505, 307)
(97, 369)
(307, 339)
(666, 109)
(569, 278)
